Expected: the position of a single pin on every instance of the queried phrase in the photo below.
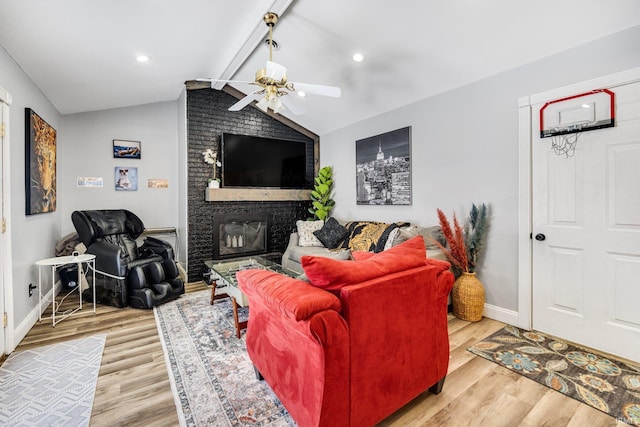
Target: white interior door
(586, 271)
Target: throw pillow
(368, 235)
(305, 232)
(332, 234)
(333, 275)
(430, 234)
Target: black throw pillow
(331, 234)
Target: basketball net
(566, 144)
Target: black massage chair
(141, 277)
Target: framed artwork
(90, 181)
(40, 164)
(123, 149)
(383, 168)
(126, 178)
(157, 183)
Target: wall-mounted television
(257, 162)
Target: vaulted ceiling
(82, 54)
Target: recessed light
(301, 93)
(358, 57)
(142, 58)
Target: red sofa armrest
(293, 298)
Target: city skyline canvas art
(383, 168)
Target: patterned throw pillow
(368, 236)
(331, 234)
(305, 232)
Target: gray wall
(465, 150)
(88, 151)
(34, 236)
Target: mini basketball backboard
(578, 113)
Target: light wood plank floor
(133, 385)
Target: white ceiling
(82, 53)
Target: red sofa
(359, 341)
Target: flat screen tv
(257, 162)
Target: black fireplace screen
(236, 235)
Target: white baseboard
(31, 319)
(500, 314)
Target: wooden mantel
(254, 194)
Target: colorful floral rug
(212, 376)
(609, 385)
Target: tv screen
(251, 161)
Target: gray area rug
(52, 385)
(212, 376)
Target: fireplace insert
(239, 234)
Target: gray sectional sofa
(294, 252)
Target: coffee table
(223, 274)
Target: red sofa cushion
(333, 275)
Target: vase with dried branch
(465, 244)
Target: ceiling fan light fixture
(263, 104)
(273, 84)
(277, 106)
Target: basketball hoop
(563, 120)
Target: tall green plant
(321, 195)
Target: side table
(55, 263)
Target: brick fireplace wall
(207, 119)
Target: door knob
(540, 237)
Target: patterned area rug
(609, 385)
(213, 378)
(52, 385)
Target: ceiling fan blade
(292, 105)
(253, 96)
(275, 71)
(222, 81)
(318, 89)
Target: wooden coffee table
(223, 274)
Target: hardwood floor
(133, 385)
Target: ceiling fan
(275, 90)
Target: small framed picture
(123, 149)
(157, 183)
(126, 178)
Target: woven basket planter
(468, 298)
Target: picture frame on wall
(383, 168)
(126, 178)
(124, 149)
(40, 164)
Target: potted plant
(465, 244)
(210, 157)
(321, 197)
